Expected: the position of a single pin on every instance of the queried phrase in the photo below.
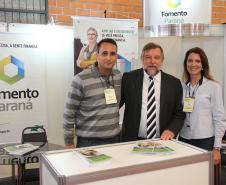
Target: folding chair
(37, 136)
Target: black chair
(37, 136)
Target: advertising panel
(22, 85)
(88, 31)
(176, 12)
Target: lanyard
(107, 81)
(190, 100)
(194, 91)
(101, 77)
(199, 83)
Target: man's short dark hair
(106, 40)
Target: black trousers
(84, 142)
(206, 143)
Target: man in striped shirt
(92, 107)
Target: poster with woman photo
(87, 55)
(88, 31)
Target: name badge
(188, 104)
(110, 96)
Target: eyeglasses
(91, 34)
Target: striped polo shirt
(86, 112)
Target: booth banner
(177, 12)
(22, 85)
(88, 31)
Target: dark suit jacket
(171, 109)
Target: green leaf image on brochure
(99, 158)
(151, 147)
(92, 156)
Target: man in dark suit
(168, 98)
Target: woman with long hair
(205, 121)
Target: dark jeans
(206, 143)
(83, 141)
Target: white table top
(68, 163)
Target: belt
(97, 137)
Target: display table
(33, 157)
(186, 165)
(21, 161)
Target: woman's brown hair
(204, 61)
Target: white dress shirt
(208, 116)
(143, 122)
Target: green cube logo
(11, 70)
(174, 3)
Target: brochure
(93, 157)
(151, 147)
(21, 149)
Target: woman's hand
(216, 156)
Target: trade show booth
(55, 49)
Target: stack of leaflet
(21, 149)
